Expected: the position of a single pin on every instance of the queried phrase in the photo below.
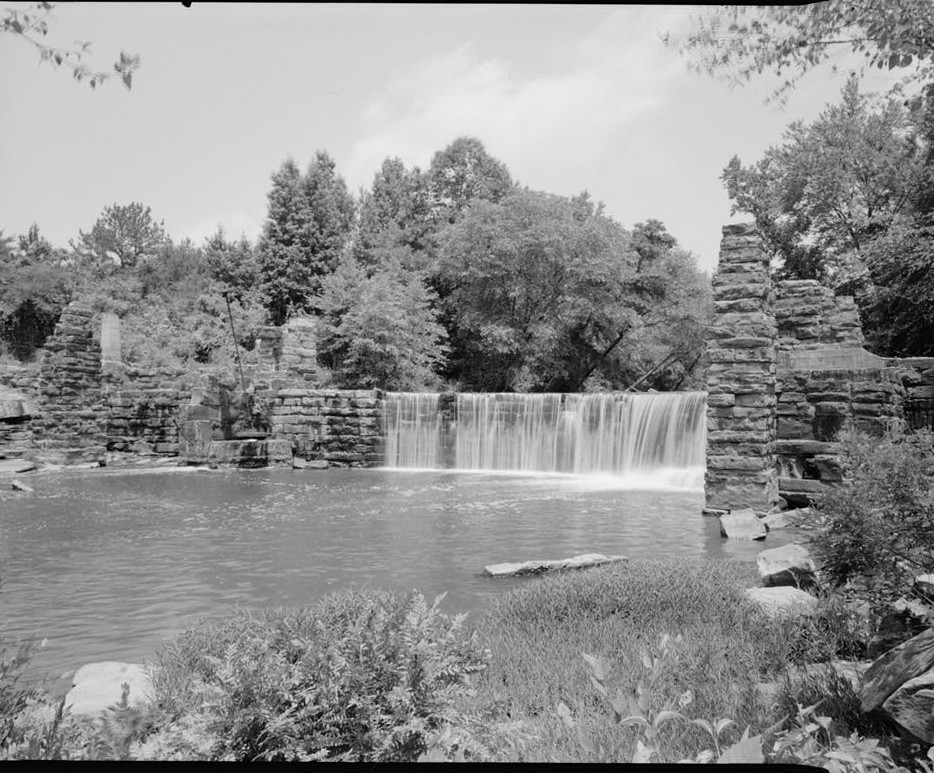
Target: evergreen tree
(307, 227)
(394, 217)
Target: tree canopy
(738, 41)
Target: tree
(463, 173)
(123, 236)
(235, 264)
(832, 186)
(379, 331)
(308, 225)
(283, 268)
(899, 313)
(547, 293)
(527, 278)
(739, 41)
(31, 23)
(393, 217)
(34, 288)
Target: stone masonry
(71, 421)
(741, 469)
(329, 427)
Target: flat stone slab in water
(14, 466)
(537, 567)
(99, 685)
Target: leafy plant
(877, 530)
(811, 741)
(361, 676)
(650, 720)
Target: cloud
(542, 124)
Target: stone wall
(741, 465)
(329, 427)
(813, 405)
(143, 408)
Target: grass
(538, 634)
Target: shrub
(361, 676)
(877, 530)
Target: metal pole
(233, 332)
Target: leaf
(745, 750)
(721, 725)
(635, 720)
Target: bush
(361, 676)
(877, 530)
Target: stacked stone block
(808, 315)
(338, 428)
(71, 426)
(741, 469)
(144, 410)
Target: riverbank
(542, 675)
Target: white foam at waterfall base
(614, 440)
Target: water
(108, 564)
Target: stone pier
(741, 462)
(71, 423)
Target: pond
(106, 564)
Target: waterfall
(412, 426)
(656, 436)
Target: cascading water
(413, 428)
(646, 439)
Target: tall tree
(123, 236)
(284, 268)
(739, 41)
(463, 173)
(393, 217)
(308, 225)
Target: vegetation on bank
(551, 672)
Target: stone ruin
(787, 369)
(86, 404)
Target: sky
(569, 97)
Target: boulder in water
(742, 524)
(538, 567)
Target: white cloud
(543, 125)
